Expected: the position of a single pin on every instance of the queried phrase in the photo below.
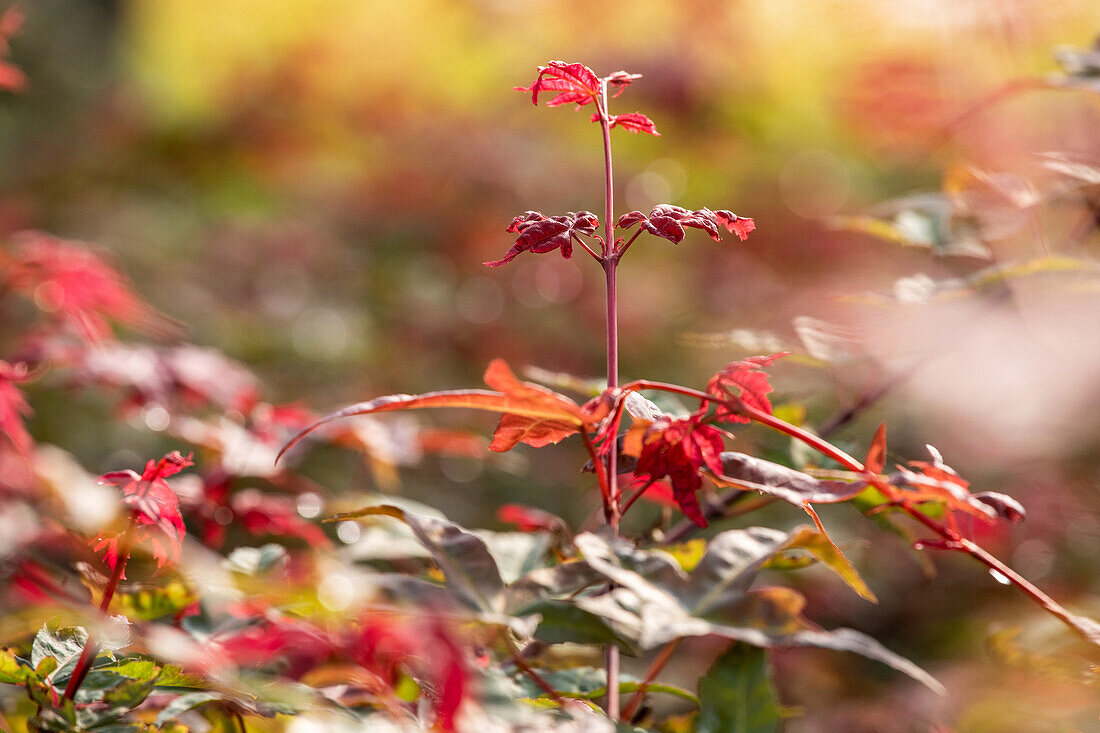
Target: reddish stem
(955, 541)
(91, 647)
(538, 679)
(622, 250)
(638, 495)
(610, 264)
(588, 249)
(650, 675)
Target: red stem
(650, 675)
(955, 541)
(1087, 631)
(610, 264)
(91, 647)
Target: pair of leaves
(577, 84)
(668, 221)
(539, 233)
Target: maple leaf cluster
(388, 646)
(577, 84)
(680, 448)
(539, 233)
(75, 285)
(154, 510)
(668, 221)
(14, 407)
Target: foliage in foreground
(209, 597)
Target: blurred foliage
(311, 186)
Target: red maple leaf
(679, 449)
(68, 280)
(668, 221)
(633, 121)
(388, 646)
(154, 509)
(294, 644)
(14, 407)
(745, 380)
(621, 80)
(529, 519)
(535, 431)
(11, 78)
(572, 84)
(539, 233)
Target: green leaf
(63, 644)
(136, 669)
(183, 703)
(517, 553)
(149, 604)
(589, 683)
(130, 693)
(172, 676)
(563, 622)
(468, 567)
(737, 696)
(565, 579)
(13, 672)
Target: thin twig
(650, 675)
(1083, 627)
(91, 646)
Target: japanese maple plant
(645, 599)
(449, 629)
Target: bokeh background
(311, 186)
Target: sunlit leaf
(515, 398)
(794, 487)
(468, 567)
(570, 83)
(183, 703)
(745, 380)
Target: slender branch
(650, 675)
(538, 679)
(601, 476)
(588, 249)
(638, 495)
(91, 646)
(640, 384)
(610, 264)
(1085, 628)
